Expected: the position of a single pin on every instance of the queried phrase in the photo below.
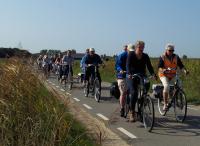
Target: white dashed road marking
(103, 117)
(62, 90)
(192, 108)
(126, 132)
(76, 99)
(68, 93)
(87, 106)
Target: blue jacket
(121, 64)
(82, 63)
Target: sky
(106, 25)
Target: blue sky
(105, 25)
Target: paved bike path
(166, 131)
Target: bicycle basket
(114, 90)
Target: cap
(131, 47)
(169, 46)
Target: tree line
(10, 52)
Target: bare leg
(165, 99)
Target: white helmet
(91, 50)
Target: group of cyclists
(134, 61)
(58, 63)
(62, 65)
(131, 61)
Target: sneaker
(122, 112)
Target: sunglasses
(171, 50)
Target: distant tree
(73, 51)
(9, 52)
(185, 57)
(43, 51)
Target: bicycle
(93, 85)
(178, 99)
(145, 106)
(46, 70)
(67, 76)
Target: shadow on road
(169, 126)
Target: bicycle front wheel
(97, 92)
(148, 113)
(180, 106)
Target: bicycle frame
(178, 95)
(144, 101)
(93, 84)
(67, 78)
(175, 91)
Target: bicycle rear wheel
(180, 106)
(70, 81)
(97, 92)
(148, 113)
(126, 106)
(160, 106)
(86, 89)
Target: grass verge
(30, 115)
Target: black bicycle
(178, 99)
(67, 77)
(145, 106)
(46, 70)
(93, 85)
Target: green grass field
(190, 83)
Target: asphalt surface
(167, 131)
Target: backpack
(114, 90)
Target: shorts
(122, 85)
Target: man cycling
(92, 60)
(46, 64)
(137, 62)
(83, 65)
(58, 66)
(67, 63)
(39, 62)
(121, 77)
(167, 67)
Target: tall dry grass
(30, 115)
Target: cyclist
(46, 63)
(39, 62)
(121, 77)
(92, 59)
(168, 60)
(137, 62)
(58, 66)
(83, 65)
(67, 62)
(53, 60)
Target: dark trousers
(90, 72)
